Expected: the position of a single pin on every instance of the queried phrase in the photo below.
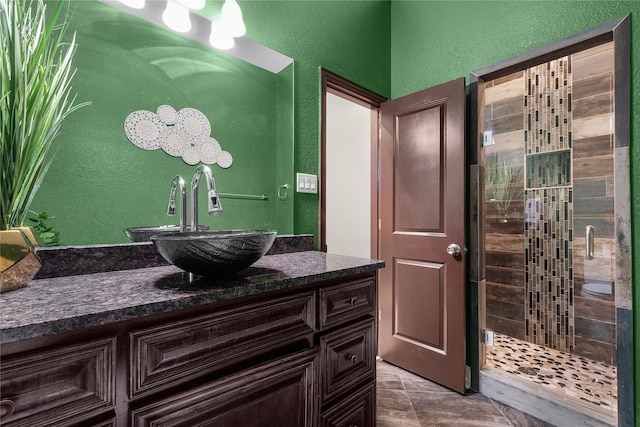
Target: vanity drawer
(347, 358)
(357, 410)
(173, 353)
(59, 386)
(347, 301)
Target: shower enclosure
(548, 165)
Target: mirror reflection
(99, 183)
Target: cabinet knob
(352, 358)
(352, 301)
(7, 408)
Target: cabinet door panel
(168, 354)
(278, 393)
(348, 357)
(59, 386)
(357, 410)
(339, 304)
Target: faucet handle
(177, 182)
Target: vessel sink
(143, 234)
(212, 253)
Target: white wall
(348, 178)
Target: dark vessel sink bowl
(143, 234)
(213, 253)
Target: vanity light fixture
(135, 4)
(228, 27)
(176, 17)
(220, 37)
(232, 18)
(192, 4)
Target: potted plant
(501, 185)
(36, 74)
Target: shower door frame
(617, 31)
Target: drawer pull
(352, 301)
(7, 408)
(352, 358)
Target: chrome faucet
(215, 208)
(178, 182)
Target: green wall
(436, 41)
(349, 38)
(99, 183)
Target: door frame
(617, 31)
(339, 86)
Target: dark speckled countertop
(61, 304)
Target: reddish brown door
(422, 304)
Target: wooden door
(422, 301)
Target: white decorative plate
(173, 142)
(193, 122)
(167, 114)
(210, 150)
(191, 156)
(224, 159)
(144, 129)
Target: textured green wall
(350, 38)
(437, 41)
(99, 183)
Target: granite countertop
(62, 304)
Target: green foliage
(36, 76)
(47, 235)
(502, 182)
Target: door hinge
(486, 337)
(467, 377)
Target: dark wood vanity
(276, 346)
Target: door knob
(453, 249)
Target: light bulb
(176, 17)
(192, 4)
(135, 4)
(220, 38)
(232, 18)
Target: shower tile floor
(579, 379)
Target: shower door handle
(590, 237)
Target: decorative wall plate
(144, 129)
(224, 159)
(210, 150)
(167, 114)
(191, 156)
(193, 122)
(173, 142)
(186, 134)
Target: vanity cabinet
(58, 385)
(302, 356)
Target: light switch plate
(306, 183)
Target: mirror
(99, 183)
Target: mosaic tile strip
(592, 383)
(549, 311)
(547, 107)
(549, 288)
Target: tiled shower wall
(552, 127)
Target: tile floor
(406, 400)
(588, 382)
